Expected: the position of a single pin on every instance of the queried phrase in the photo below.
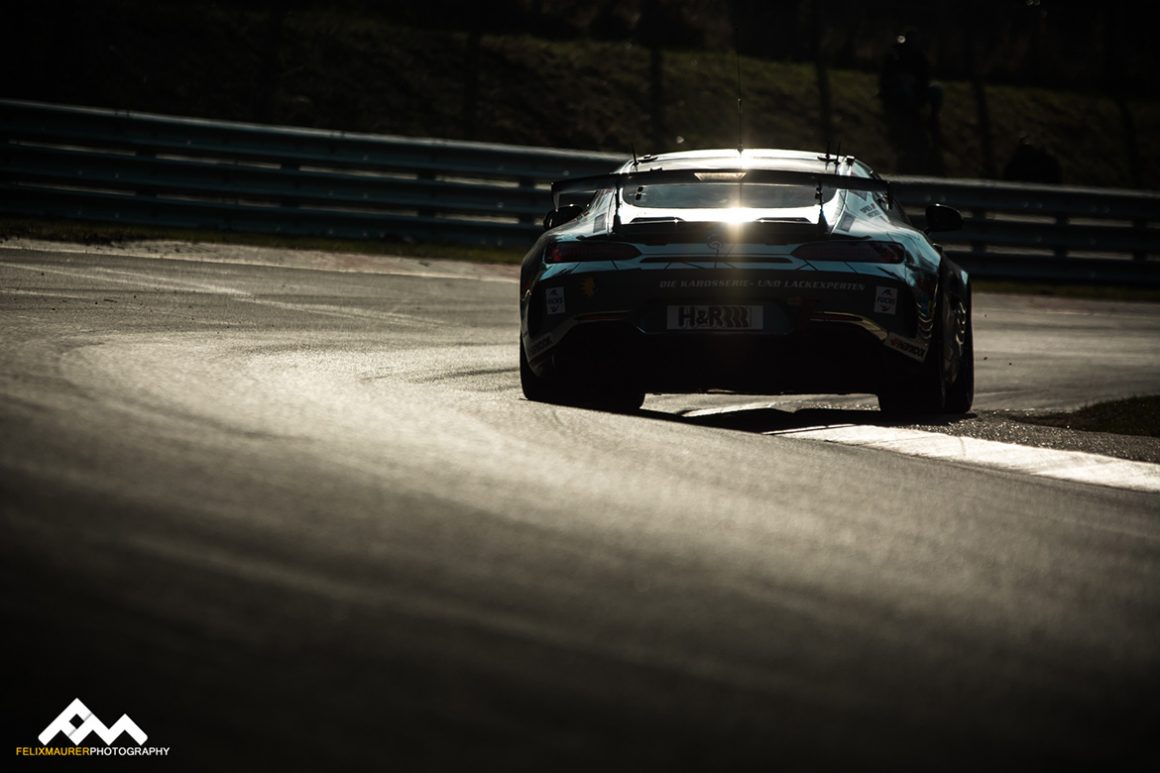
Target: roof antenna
(823, 226)
(632, 147)
(616, 205)
(740, 122)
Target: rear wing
(816, 180)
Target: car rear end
(692, 280)
(799, 317)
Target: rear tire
(961, 394)
(615, 398)
(929, 392)
(620, 399)
(926, 391)
(534, 387)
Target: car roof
(731, 158)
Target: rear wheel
(926, 390)
(534, 387)
(617, 398)
(961, 394)
(923, 393)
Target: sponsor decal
(728, 317)
(809, 284)
(588, 286)
(885, 300)
(554, 299)
(906, 346)
(76, 723)
(772, 284)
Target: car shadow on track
(764, 420)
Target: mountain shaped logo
(89, 724)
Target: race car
(747, 271)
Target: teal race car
(751, 271)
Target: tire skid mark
(138, 279)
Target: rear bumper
(799, 332)
(835, 357)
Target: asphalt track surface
(303, 520)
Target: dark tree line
(1027, 42)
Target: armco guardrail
(95, 164)
(1046, 233)
(150, 169)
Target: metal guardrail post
(146, 153)
(428, 211)
(1061, 251)
(527, 184)
(979, 247)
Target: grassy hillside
(353, 72)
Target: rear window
(711, 195)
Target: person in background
(904, 83)
(906, 91)
(1031, 162)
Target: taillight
(852, 251)
(571, 252)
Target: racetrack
(286, 516)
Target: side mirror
(940, 217)
(564, 214)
